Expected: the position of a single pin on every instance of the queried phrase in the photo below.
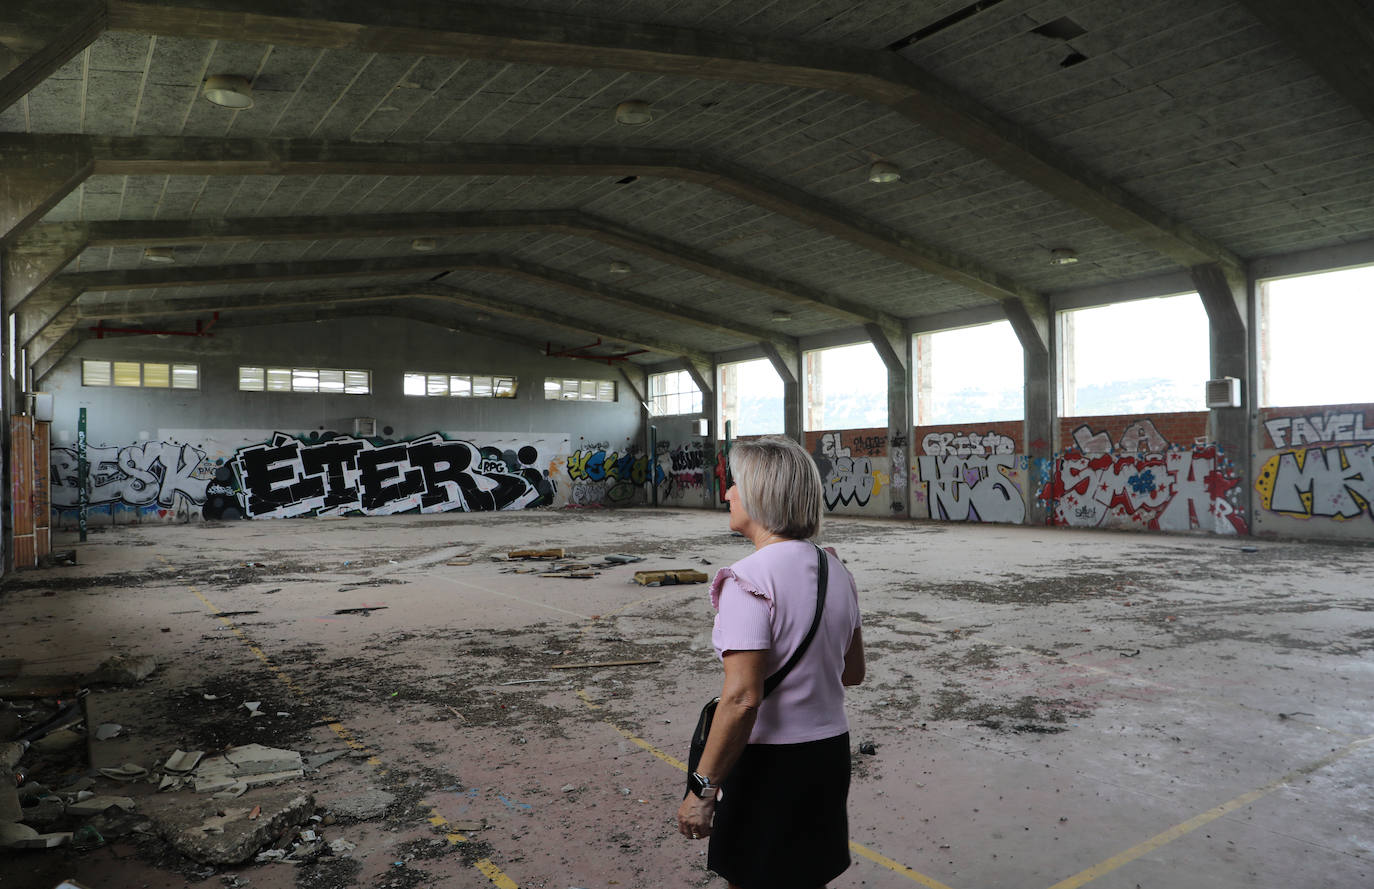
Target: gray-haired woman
(771, 789)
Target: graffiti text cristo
(287, 477)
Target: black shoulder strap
(822, 576)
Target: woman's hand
(694, 816)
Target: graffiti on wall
(967, 444)
(287, 477)
(161, 474)
(846, 479)
(290, 476)
(603, 476)
(681, 469)
(973, 488)
(1332, 480)
(1142, 480)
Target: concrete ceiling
(1145, 135)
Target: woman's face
(738, 517)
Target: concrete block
(362, 806)
(124, 669)
(209, 832)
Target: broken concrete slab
(209, 832)
(21, 836)
(251, 764)
(550, 553)
(669, 576)
(363, 806)
(97, 804)
(123, 669)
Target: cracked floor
(1050, 708)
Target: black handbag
(708, 712)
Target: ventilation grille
(366, 427)
(1224, 392)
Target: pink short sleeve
(743, 621)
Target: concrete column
(788, 367)
(1226, 295)
(1038, 343)
(895, 351)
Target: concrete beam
(36, 173)
(1335, 37)
(442, 293)
(459, 30)
(35, 258)
(39, 310)
(161, 155)
(572, 222)
(703, 374)
(1032, 327)
(61, 349)
(37, 37)
(144, 278)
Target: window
(330, 381)
(1308, 352)
(846, 388)
(673, 393)
(969, 375)
(459, 385)
(1102, 373)
(135, 374)
(751, 398)
(579, 390)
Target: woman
(772, 785)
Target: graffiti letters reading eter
(287, 477)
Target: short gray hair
(779, 485)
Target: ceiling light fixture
(424, 245)
(229, 91)
(161, 255)
(1063, 256)
(781, 315)
(619, 267)
(633, 113)
(882, 172)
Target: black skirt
(782, 821)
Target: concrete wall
(1314, 472)
(1135, 472)
(971, 473)
(855, 470)
(687, 463)
(216, 452)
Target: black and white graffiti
(287, 477)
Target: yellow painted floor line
(858, 849)
(1084, 877)
(485, 865)
(491, 592)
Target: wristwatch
(700, 786)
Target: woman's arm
(735, 714)
(854, 667)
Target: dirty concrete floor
(1050, 708)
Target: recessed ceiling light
(620, 267)
(424, 245)
(162, 255)
(633, 113)
(781, 315)
(882, 172)
(229, 91)
(1063, 256)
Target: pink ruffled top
(766, 601)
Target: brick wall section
(861, 442)
(1184, 428)
(1013, 429)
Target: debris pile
(60, 786)
(562, 564)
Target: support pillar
(895, 351)
(1039, 346)
(1225, 294)
(787, 364)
